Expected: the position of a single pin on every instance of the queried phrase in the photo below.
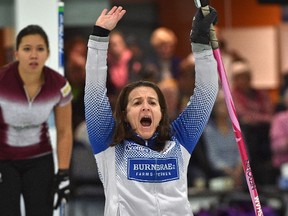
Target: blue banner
(153, 170)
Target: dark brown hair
(32, 30)
(122, 128)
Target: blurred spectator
(199, 168)
(124, 63)
(135, 66)
(216, 156)
(87, 193)
(198, 164)
(118, 61)
(150, 72)
(75, 60)
(164, 41)
(186, 80)
(279, 134)
(85, 185)
(219, 140)
(255, 109)
(170, 90)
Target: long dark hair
(122, 128)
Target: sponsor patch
(153, 170)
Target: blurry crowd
(216, 157)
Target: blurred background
(253, 31)
(262, 23)
(249, 26)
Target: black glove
(200, 32)
(62, 186)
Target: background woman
(29, 93)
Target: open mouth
(146, 121)
(33, 64)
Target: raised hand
(109, 20)
(201, 26)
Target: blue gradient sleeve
(191, 122)
(98, 113)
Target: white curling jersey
(139, 181)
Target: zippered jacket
(139, 181)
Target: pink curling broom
(204, 5)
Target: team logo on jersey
(65, 90)
(153, 170)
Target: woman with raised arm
(141, 157)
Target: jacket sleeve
(190, 124)
(98, 113)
